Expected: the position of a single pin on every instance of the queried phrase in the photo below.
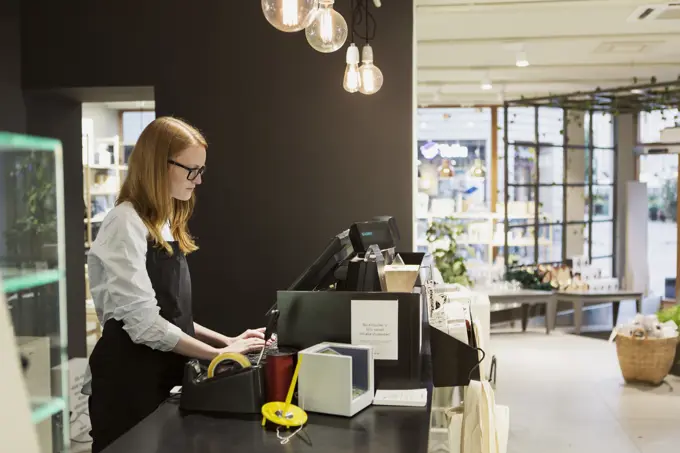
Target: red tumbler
(279, 368)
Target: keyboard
(254, 356)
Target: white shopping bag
(483, 427)
(455, 425)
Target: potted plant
(672, 314)
(654, 206)
(32, 237)
(670, 198)
(451, 265)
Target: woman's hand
(244, 345)
(250, 333)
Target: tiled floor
(566, 394)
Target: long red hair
(146, 185)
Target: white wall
(626, 130)
(133, 125)
(105, 119)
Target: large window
(560, 199)
(560, 184)
(650, 124)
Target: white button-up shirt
(119, 283)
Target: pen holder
(239, 392)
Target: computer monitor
(392, 222)
(332, 269)
(374, 232)
(321, 274)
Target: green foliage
(35, 218)
(450, 264)
(670, 314)
(529, 279)
(670, 198)
(654, 201)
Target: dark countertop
(376, 429)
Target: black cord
(351, 22)
(477, 364)
(361, 14)
(366, 21)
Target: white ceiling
(571, 45)
(126, 105)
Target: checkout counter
(376, 429)
(317, 309)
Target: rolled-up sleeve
(121, 249)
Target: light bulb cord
(351, 22)
(362, 15)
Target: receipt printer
(336, 378)
(230, 384)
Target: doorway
(110, 131)
(660, 173)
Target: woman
(141, 286)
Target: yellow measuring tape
(284, 413)
(227, 356)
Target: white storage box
(336, 378)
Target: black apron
(129, 381)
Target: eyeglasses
(192, 173)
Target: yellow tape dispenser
(227, 360)
(284, 413)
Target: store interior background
(282, 179)
(466, 71)
(565, 391)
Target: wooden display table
(667, 303)
(581, 298)
(527, 297)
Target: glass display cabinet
(32, 267)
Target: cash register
(349, 262)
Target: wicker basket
(645, 359)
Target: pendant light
(328, 31)
(371, 75)
(477, 170)
(290, 15)
(446, 170)
(352, 80)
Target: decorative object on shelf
(290, 15)
(104, 155)
(328, 31)
(450, 264)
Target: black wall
(49, 116)
(293, 159)
(52, 116)
(12, 110)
